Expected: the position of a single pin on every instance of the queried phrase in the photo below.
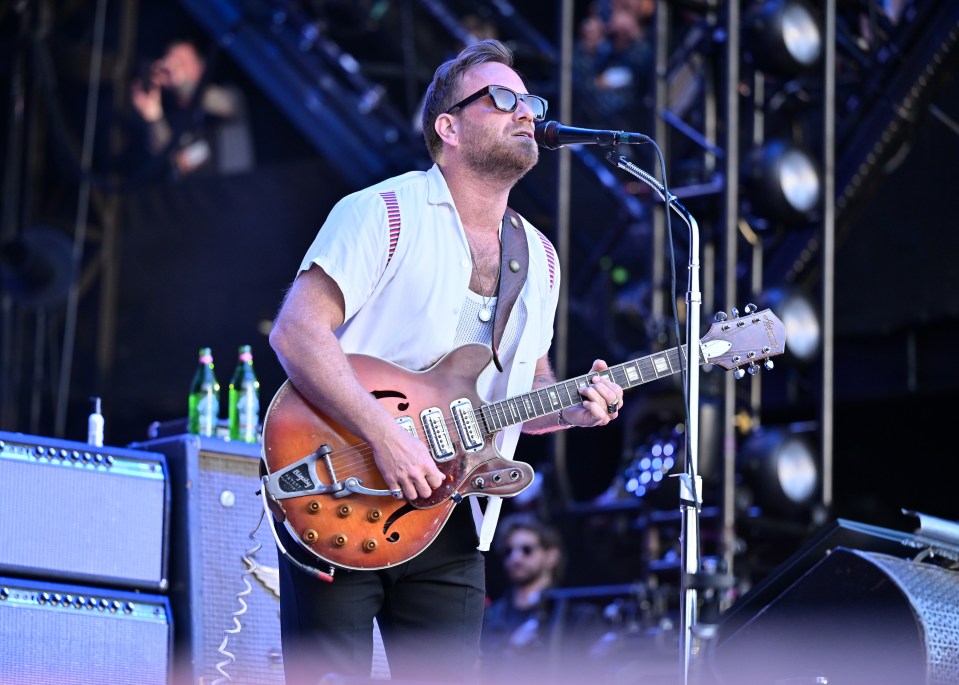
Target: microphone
(552, 135)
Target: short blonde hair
(442, 91)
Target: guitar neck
(555, 398)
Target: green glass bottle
(204, 409)
(244, 399)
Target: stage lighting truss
(779, 470)
(783, 48)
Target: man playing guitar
(407, 272)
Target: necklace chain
(486, 311)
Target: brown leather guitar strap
(514, 265)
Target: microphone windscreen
(544, 133)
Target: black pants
(429, 611)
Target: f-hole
(384, 394)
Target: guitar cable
(251, 566)
(247, 589)
(305, 568)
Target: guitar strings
(360, 454)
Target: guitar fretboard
(555, 398)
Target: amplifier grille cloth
(66, 522)
(229, 509)
(42, 644)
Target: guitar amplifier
(81, 635)
(215, 510)
(76, 513)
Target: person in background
(589, 42)
(408, 271)
(529, 636)
(613, 63)
(201, 127)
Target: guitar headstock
(740, 343)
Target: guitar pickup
(466, 425)
(407, 424)
(437, 434)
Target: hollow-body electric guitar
(323, 483)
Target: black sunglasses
(526, 550)
(506, 100)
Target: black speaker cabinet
(837, 533)
(215, 509)
(857, 618)
(81, 635)
(74, 513)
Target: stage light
(36, 269)
(652, 462)
(779, 467)
(784, 37)
(782, 181)
(800, 320)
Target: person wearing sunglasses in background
(527, 636)
(408, 271)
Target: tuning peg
(750, 308)
(752, 369)
(768, 364)
(720, 316)
(734, 312)
(739, 373)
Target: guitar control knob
(514, 475)
(313, 506)
(374, 515)
(339, 540)
(497, 478)
(344, 510)
(310, 536)
(369, 545)
(479, 483)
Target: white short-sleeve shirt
(399, 254)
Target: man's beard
(525, 576)
(494, 159)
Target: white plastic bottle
(95, 424)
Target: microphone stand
(690, 482)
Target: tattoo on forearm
(542, 380)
